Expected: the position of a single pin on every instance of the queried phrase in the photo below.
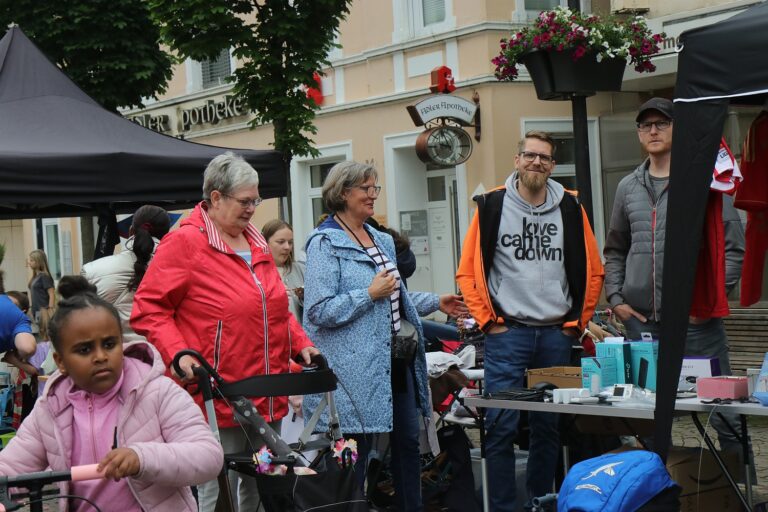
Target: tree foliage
(109, 48)
(280, 43)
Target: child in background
(27, 384)
(114, 407)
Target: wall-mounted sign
(158, 123)
(443, 105)
(182, 120)
(212, 112)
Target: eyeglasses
(646, 126)
(245, 203)
(371, 190)
(530, 156)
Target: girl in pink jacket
(114, 407)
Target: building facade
(387, 52)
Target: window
(541, 5)
(526, 10)
(215, 71)
(419, 18)
(433, 11)
(317, 175)
(48, 239)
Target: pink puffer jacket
(157, 419)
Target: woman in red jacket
(213, 287)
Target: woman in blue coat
(354, 306)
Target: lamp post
(581, 143)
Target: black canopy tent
(719, 64)
(62, 154)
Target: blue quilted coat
(353, 332)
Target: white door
(442, 211)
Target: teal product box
(603, 367)
(645, 357)
(620, 351)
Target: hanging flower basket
(569, 52)
(558, 76)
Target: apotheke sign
(212, 112)
(443, 105)
(184, 120)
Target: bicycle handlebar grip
(87, 472)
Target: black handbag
(405, 341)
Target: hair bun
(70, 286)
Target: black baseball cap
(662, 105)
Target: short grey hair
(342, 176)
(226, 173)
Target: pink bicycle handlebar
(87, 472)
(30, 480)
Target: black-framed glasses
(530, 156)
(245, 203)
(646, 126)
(370, 190)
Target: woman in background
(42, 293)
(117, 277)
(279, 236)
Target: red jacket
(197, 293)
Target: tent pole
(581, 154)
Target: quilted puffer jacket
(111, 276)
(158, 420)
(634, 247)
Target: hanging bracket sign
(443, 105)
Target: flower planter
(557, 77)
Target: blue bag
(616, 482)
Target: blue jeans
(406, 460)
(438, 330)
(507, 356)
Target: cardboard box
(560, 376)
(622, 353)
(722, 387)
(704, 486)
(723, 499)
(604, 368)
(645, 356)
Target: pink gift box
(722, 387)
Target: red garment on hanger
(753, 197)
(709, 297)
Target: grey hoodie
(527, 281)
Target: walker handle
(205, 365)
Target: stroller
(331, 485)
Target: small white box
(700, 367)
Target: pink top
(93, 434)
